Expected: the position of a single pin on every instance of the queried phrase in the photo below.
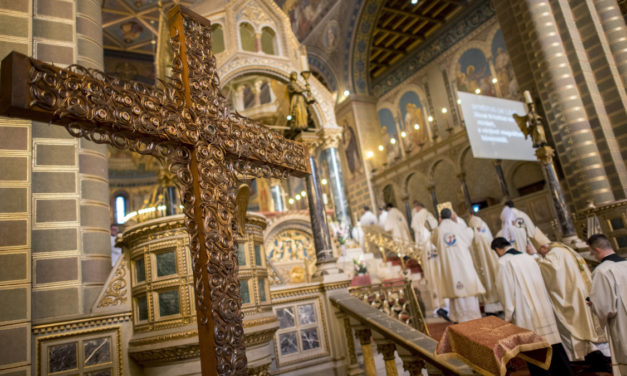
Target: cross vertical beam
(187, 123)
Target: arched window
(247, 37)
(268, 41)
(249, 97)
(120, 208)
(264, 94)
(217, 38)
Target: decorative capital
(387, 350)
(310, 140)
(545, 154)
(497, 162)
(364, 336)
(431, 187)
(461, 176)
(330, 137)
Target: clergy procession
(525, 278)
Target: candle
(528, 98)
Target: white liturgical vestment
(609, 303)
(423, 222)
(368, 219)
(568, 282)
(524, 298)
(459, 277)
(485, 261)
(516, 235)
(396, 223)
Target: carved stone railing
(391, 336)
(377, 241)
(396, 299)
(612, 219)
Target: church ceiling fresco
(132, 25)
(306, 14)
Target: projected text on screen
(492, 131)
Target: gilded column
(330, 138)
(388, 350)
(364, 335)
(353, 366)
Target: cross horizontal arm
(39, 91)
(194, 66)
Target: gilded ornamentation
(395, 300)
(331, 137)
(116, 292)
(263, 370)
(186, 122)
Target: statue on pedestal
(531, 123)
(300, 98)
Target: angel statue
(298, 119)
(531, 124)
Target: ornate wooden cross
(185, 122)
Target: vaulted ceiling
(402, 26)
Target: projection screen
(492, 131)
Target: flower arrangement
(360, 267)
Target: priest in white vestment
(526, 302)
(423, 223)
(396, 223)
(608, 297)
(568, 282)
(510, 231)
(383, 214)
(460, 282)
(485, 261)
(368, 218)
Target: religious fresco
(305, 14)
(503, 68)
(387, 133)
(330, 36)
(473, 73)
(413, 121)
(351, 150)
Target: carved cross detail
(185, 122)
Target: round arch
(276, 73)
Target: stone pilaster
(15, 208)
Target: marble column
(330, 138)
(434, 199)
(462, 180)
(564, 219)
(317, 215)
(501, 176)
(277, 197)
(319, 225)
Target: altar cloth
(487, 344)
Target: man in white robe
(383, 214)
(423, 223)
(485, 261)
(526, 302)
(459, 281)
(608, 297)
(510, 231)
(568, 282)
(396, 223)
(368, 218)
